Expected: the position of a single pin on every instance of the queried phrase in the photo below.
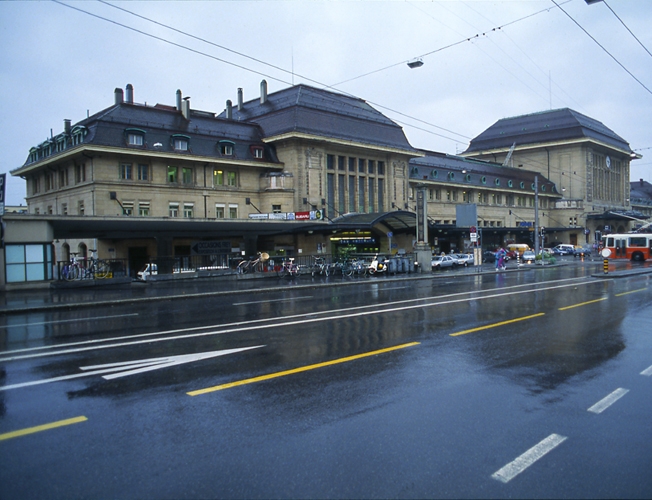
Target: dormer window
(77, 134)
(227, 148)
(257, 152)
(180, 142)
(135, 137)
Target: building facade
(294, 171)
(588, 163)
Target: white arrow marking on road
(126, 368)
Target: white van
(563, 249)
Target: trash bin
(393, 265)
(405, 264)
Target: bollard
(606, 266)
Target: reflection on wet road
(523, 384)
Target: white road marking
(647, 371)
(126, 368)
(513, 469)
(241, 326)
(69, 320)
(605, 403)
(273, 300)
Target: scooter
(378, 266)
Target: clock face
(608, 161)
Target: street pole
(536, 215)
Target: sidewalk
(121, 292)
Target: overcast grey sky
(485, 60)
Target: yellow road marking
(583, 304)
(494, 325)
(298, 370)
(44, 427)
(633, 291)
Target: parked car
(488, 256)
(464, 259)
(528, 257)
(581, 251)
(441, 261)
(563, 249)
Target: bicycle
(320, 267)
(289, 268)
(254, 265)
(96, 269)
(73, 270)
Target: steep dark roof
(313, 111)
(451, 169)
(641, 192)
(160, 123)
(543, 127)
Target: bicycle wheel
(102, 269)
(282, 272)
(73, 273)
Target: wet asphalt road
(460, 386)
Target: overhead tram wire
(603, 48)
(248, 69)
(172, 28)
(468, 39)
(199, 52)
(627, 28)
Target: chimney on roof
(229, 110)
(178, 99)
(240, 98)
(642, 183)
(130, 94)
(118, 95)
(263, 92)
(66, 126)
(185, 108)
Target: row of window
(181, 143)
(58, 143)
(59, 179)
(177, 209)
(360, 165)
(483, 198)
(176, 175)
(451, 176)
(483, 223)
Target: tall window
(218, 178)
(125, 171)
(186, 173)
(371, 194)
(381, 168)
(340, 163)
(80, 207)
(63, 178)
(351, 164)
(330, 162)
(127, 207)
(231, 178)
(361, 183)
(143, 172)
(188, 210)
(219, 210)
(143, 208)
(173, 174)
(80, 173)
(381, 195)
(64, 209)
(351, 193)
(361, 166)
(173, 209)
(233, 211)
